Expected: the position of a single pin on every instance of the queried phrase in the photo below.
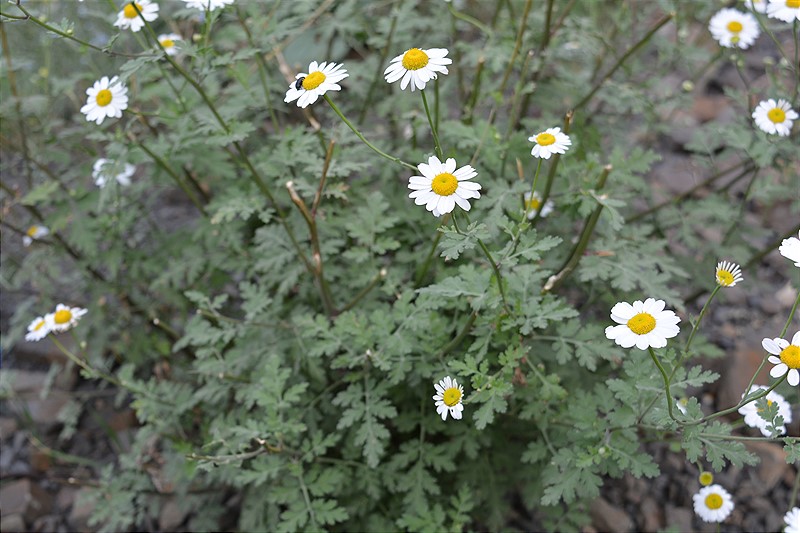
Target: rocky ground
(45, 470)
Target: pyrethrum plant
(374, 293)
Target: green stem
(363, 139)
(666, 18)
(453, 344)
(48, 27)
(429, 259)
(262, 71)
(533, 190)
(586, 234)
(741, 404)
(667, 393)
(699, 318)
(363, 292)
(174, 175)
(435, 133)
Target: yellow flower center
(103, 97)
(32, 231)
(444, 184)
(39, 325)
(724, 278)
(642, 323)
(534, 203)
(62, 316)
(130, 12)
(776, 114)
(313, 80)
(415, 59)
(791, 356)
(167, 43)
(545, 139)
(734, 26)
(451, 397)
(714, 501)
(793, 4)
(706, 478)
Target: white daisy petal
(209, 5)
(775, 117)
(106, 99)
(417, 67)
(713, 503)
(64, 318)
(642, 324)
(448, 398)
(439, 187)
(733, 28)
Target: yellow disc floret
(62, 316)
(130, 12)
(734, 26)
(642, 323)
(793, 4)
(444, 184)
(714, 501)
(724, 278)
(167, 43)
(534, 203)
(545, 139)
(103, 97)
(313, 80)
(451, 397)
(39, 325)
(32, 231)
(776, 115)
(415, 59)
(706, 478)
(791, 356)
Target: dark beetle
(299, 83)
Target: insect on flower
(299, 83)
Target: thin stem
(741, 404)
(262, 71)
(325, 293)
(429, 258)
(453, 344)
(363, 292)
(254, 175)
(384, 55)
(583, 101)
(667, 392)
(174, 175)
(28, 16)
(363, 139)
(436, 143)
(699, 318)
(517, 45)
(533, 190)
(577, 253)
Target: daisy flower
(104, 169)
(34, 233)
(681, 404)
(533, 205)
(308, 87)
(643, 324)
(728, 274)
(785, 357)
(732, 28)
(705, 478)
(37, 330)
(759, 6)
(713, 504)
(792, 521)
(550, 141)
(128, 18)
(785, 10)
(107, 98)
(64, 318)
(167, 41)
(790, 249)
(210, 5)
(441, 186)
(417, 67)
(752, 414)
(775, 117)
(448, 398)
